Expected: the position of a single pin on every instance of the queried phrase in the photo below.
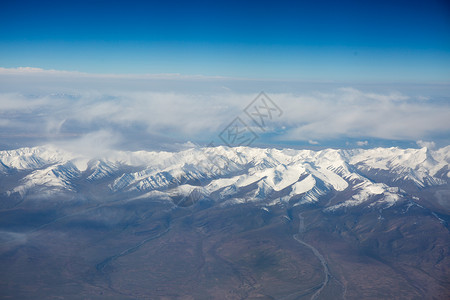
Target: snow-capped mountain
(374, 177)
(351, 223)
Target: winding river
(301, 229)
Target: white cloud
(362, 143)
(355, 114)
(45, 102)
(93, 144)
(51, 72)
(429, 145)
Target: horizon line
(26, 70)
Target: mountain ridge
(247, 222)
(236, 175)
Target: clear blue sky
(318, 40)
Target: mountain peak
(250, 174)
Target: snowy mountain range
(241, 222)
(377, 177)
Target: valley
(268, 225)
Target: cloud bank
(43, 105)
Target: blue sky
(351, 41)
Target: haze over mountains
(226, 223)
(157, 112)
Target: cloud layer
(63, 105)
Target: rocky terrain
(225, 223)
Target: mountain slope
(225, 223)
(374, 177)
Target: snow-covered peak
(32, 158)
(245, 173)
